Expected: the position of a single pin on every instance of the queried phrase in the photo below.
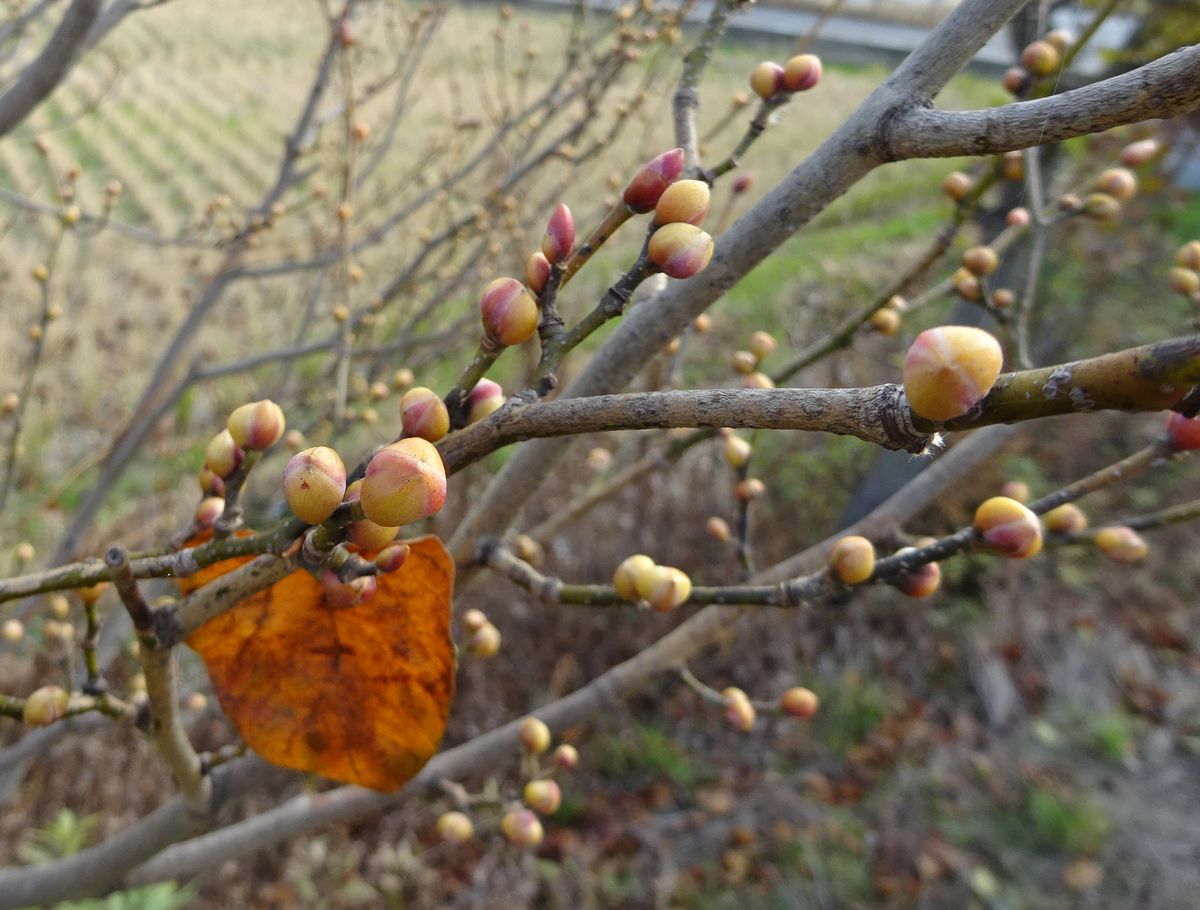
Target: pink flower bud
(367, 535)
(919, 581)
(314, 482)
(852, 560)
(510, 314)
(685, 201)
(543, 796)
(1066, 519)
(648, 184)
(258, 425)
(566, 757)
(1121, 544)
(1183, 433)
(404, 482)
(801, 73)
(534, 736)
(1008, 528)
(559, 239)
(680, 250)
(1138, 153)
(210, 483)
(744, 181)
(222, 456)
(390, 559)
(799, 702)
(484, 399)
(948, 369)
(766, 79)
(209, 510)
(738, 710)
(1018, 217)
(537, 271)
(522, 828)
(423, 414)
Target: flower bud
(454, 827)
(626, 575)
(718, 529)
(92, 593)
(484, 399)
(1188, 256)
(738, 710)
(1041, 58)
(1069, 202)
(762, 344)
(1066, 519)
(758, 380)
(766, 79)
(1183, 433)
(1008, 528)
(1018, 217)
(599, 460)
(1138, 153)
(9, 402)
(852, 560)
(404, 482)
(210, 509)
(258, 425)
(367, 535)
(1012, 166)
(534, 736)
(737, 451)
(1060, 39)
(486, 641)
(663, 587)
(1015, 489)
(1121, 544)
(314, 482)
(392, 558)
(510, 314)
(1015, 80)
(684, 201)
(919, 581)
(1185, 281)
(522, 828)
(402, 379)
(45, 705)
(1118, 182)
(559, 239)
(750, 488)
(801, 73)
(967, 284)
(681, 250)
(377, 390)
(1101, 207)
(744, 181)
(956, 185)
(222, 456)
(542, 796)
(423, 414)
(60, 606)
(980, 260)
(799, 702)
(12, 631)
(473, 620)
(702, 324)
(744, 362)
(647, 186)
(566, 757)
(1003, 298)
(949, 369)
(885, 321)
(537, 271)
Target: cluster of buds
(1040, 59)
(949, 369)
(747, 362)
(1185, 273)
(886, 320)
(663, 587)
(485, 637)
(678, 247)
(799, 74)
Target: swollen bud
(314, 483)
(647, 186)
(509, 312)
(392, 558)
(423, 414)
(1008, 528)
(258, 425)
(684, 201)
(367, 535)
(534, 736)
(1015, 489)
(980, 260)
(484, 399)
(1138, 153)
(404, 482)
(681, 250)
(956, 185)
(543, 796)
(222, 455)
(1188, 256)
(852, 560)
(718, 529)
(1018, 217)
(744, 362)
(762, 344)
(1015, 80)
(1041, 58)
(454, 827)
(537, 271)
(663, 587)
(1118, 182)
(1121, 544)
(801, 73)
(949, 369)
(1066, 519)
(12, 631)
(485, 642)
(885, 321)
(559, 238)
(799, 702)
(1184, 281)
(209, 510)
(566, 757)
(626, 575)
(766, 79)
(738, 710)
(737, 451)
(919, 581)
(1183, 433)
(1101, 207)
(45, 705)
(522, 828)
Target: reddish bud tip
(423, 414)
(766, 79)
(314, 483)
(1018, 218)
(1183, 433)
(454, 827)
(509, 312)
(1121, 544)
(542, 796)
(684, 201)
(1138, 153)
(522, 828)
(566, 757)
(534, 736)
(1008, 528)
(852, 560)
(801, 73)
(258, 425)
(537, 271)
(648, 184)
(209, 510)
(799, 702)
(739, 712)
(920, 581)
(559, 239)
(1066, 519)
(404, 482)
(392, 558)
(744, 181)
(948, 369)
(484, 399)
(222, 456)
(681, 250)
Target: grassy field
(899, 793)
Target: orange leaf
(358, 694)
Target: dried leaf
(358, 694)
